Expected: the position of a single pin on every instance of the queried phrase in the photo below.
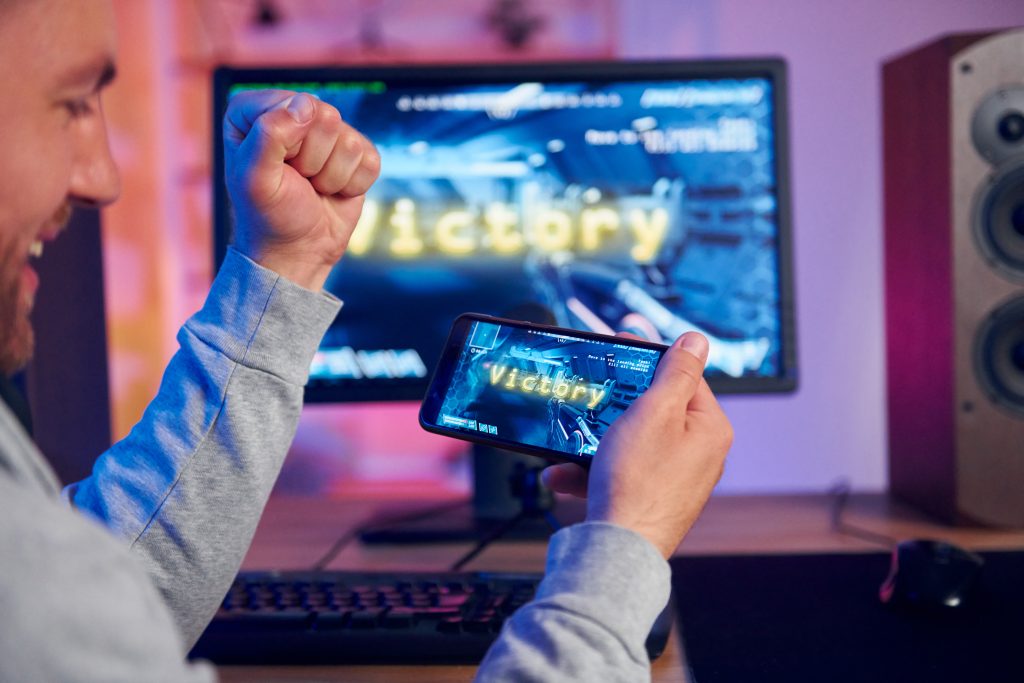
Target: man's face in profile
(55, 57)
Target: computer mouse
(930, 574)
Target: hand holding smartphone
(537, 389)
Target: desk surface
(296, 532)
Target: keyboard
(329, 617)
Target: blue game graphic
(543, 389)
(647, 206)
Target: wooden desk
(296, 532)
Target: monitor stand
(505, 485)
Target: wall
(157, 237)
(157, 256)
(835, 425)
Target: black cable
(552, 521)
(338, 546)
(495, 533)
(381, 524)
(526, 486)
(841, 491)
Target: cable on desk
(380, 524)
(500, 531)
(495, 533)
(552, 521)
(841, 492)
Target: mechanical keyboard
(329, 617)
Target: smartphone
(536, 389)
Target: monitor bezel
(772, 68)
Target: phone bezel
(450, 352)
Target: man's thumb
(266, 129)
(682, 367)
(286, 126)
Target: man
(118, 579)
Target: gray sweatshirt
(116, 581)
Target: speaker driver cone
(999, 221)
(999, 355)
(997, 126)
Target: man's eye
(78, 107)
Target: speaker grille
(999, 221)
(999, 355)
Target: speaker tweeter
(997, 127)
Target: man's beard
(16, 337)
(17, 340)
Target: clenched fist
(297, 175)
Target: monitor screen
(646, 196)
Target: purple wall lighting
(834, 426)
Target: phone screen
(533, 388)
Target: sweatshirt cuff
(610, 574)
(261, 320)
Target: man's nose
(95, 180)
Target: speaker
(953, 118)
(66, 382)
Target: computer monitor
(648, 196)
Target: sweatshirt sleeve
(186, 487)
(604, 588)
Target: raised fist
(297, 175)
